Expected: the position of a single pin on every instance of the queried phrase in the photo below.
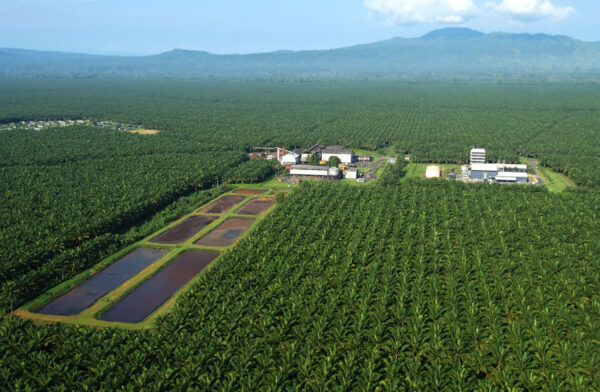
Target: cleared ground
(144, 131)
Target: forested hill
(446, 53)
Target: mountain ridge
(443, 53)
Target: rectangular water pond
(249, 191)
(222, 205)
(184, 230)
(256, 206)
(226, 233)
(144, 300)
(87, 293)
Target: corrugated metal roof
(484, 166)
(337, 150)
(512, 166)
(308, 167)
(511, 174)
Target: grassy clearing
(417, 170)
(273, 184)
(414, 170)
(555, 182)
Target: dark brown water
(256, 206)
(184, 230)
(87, 293)
(138, 305)
(223, 204)
(226, 233)
(249, 191)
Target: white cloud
(532, 9)
(457, 11)
(416, 11)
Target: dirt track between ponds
(226, 233)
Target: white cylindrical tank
(334, 172)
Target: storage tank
(334, 172)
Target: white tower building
(477, 155)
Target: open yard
(555, 182)
(144, 131)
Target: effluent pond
(226, 233)
(184, 230)
(256, 206)
(249, 191)
(87, 293)
(222, 205)
(145, 299)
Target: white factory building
(314, 171)
(351, 172)
(345, 155)
(498, 172)
(291, 158)
(512, 177)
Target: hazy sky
(236, 26)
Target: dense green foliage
(425, 286)
(435, 122)
(412, 286)
(252, 171)
(334, 161)
(207, 127)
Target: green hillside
(446, 53)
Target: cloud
(419, 11)
(457, 11)
(532, 9)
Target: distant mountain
(453, 33)
(446, 53)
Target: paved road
(371, 175)
(532, 165)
